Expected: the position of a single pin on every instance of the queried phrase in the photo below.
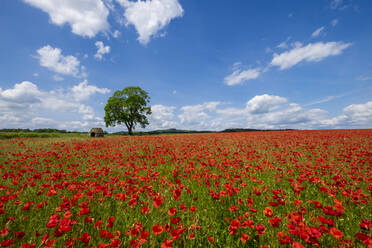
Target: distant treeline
(177, 131)
(231, 130)
(165, 131)
(39, 130)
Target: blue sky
(207, 65)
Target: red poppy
(157, 229)
(167, 243)
(145, 209)
(275, 221)
(177, 194)
(336, 233)
(268, 212)
(158, 201)
(172, 211)
(245, 237)
(193, 209)
(110, 221)
(260, 229)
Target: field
(256, 189)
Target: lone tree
(128, 106)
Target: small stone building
(96, 132)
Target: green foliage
(40, 130)
(11, 135)
(128, 106)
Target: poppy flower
(275, 221)
(245, 237)
(158, 201)
(268, 212)
(167, 243)
(172, 211)
(260, 229)
(336, 233)
(157, 229)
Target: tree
(128, 106)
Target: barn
(96, 132)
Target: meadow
(254, 189)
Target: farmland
(256, 189)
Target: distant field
(10, 135)
(253, 189)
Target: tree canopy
(128, 106)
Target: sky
(207, 65)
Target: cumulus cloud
(53, 59)
(162, 117)
(150, 16)
(240, 76)
(356, 116)
(264, 103)
(193, 114)
(86, 17)
(83, 91)
(312, 52)
(101, 50)
(317, 32)
(25, 104)
(266, 112)
(25, 92)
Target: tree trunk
(129, 127)
(130, 132)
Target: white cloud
(162, 117)
(334, 22)
(359, 114)
(312, 52)
(86, 17)
(353, 116)
(42, 121)
(296, 44)
(25, 105)
(270, 112)
(116, 34)
(101, 50)
(284, 44)
(264, 103)
(58, 78)
(53, 59)
(22, 93)
(35, 74)
(150, 16)
(83, 91)
(195, 114)
(317, 32)
(239, 77)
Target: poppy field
(254, 189)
